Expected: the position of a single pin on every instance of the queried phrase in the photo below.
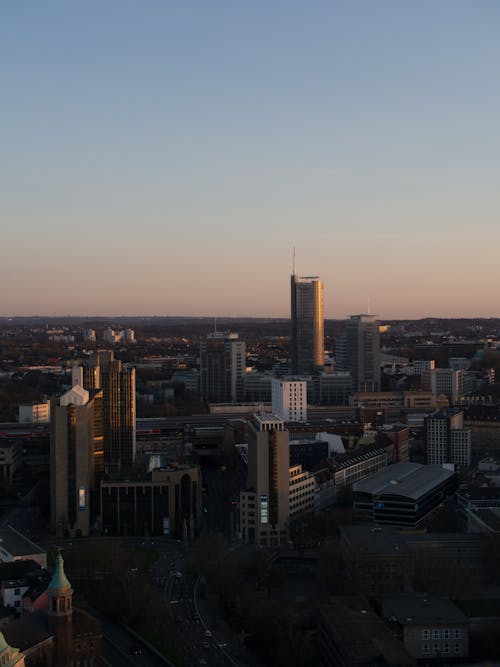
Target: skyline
(165, 159)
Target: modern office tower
(76, 450)
(222, 367)
(265, 505)
(358, 352)
(307, 339)
(446, 440)
(118, 386)
(289, 399)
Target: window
(436, 634)
(458, 648)
(458, 633)
(446, 633)
(425, 635)
(17, 591)
(17, 603)
(446, 648)
(425, 649)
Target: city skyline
(163, 159)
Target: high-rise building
(307, 335)
(105, 372)
(76, 450)
(222, 367)
(265, 505)
(446, 440)
(289, 399)
(358, 352)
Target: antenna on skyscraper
(294, 264)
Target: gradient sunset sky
(163, 158)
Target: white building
(446, 439)
(289, 399)
(451, 383)
(110, 336)
(89, 335)
(34, 413)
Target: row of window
(440, 648)
(447, 633)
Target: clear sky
(163, 158)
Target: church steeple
(59, 592)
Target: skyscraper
(118, 387)
(75, 452)
(358, 352)
(307, 340)
(265, 503)
(222, 367)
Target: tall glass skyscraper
(307, 343)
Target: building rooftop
(16, 544)
(412, 609)
(359, 630)
(412, 480)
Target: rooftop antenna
(294, 263)
(369, 306)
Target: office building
(403, 494)
(430, 627)
(448, 382)
(104, 372)
(358, 352)
(445, 438)
(166, 502)
(289, 399)
(34, 413)
(222, 367)
(264, 506)
(307, 334)
(76, 447)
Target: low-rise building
(15, 546)
(166, 502)
(350, 634)
(403, 494)
(430, 627)
(34, 413)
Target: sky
(164, 158)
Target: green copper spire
(59, 581)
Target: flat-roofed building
(165, 502)
(16, 546)
(403, 494)
(350, 633)
(34, 413)
(446, 439)
(430, 627)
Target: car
(222, 644)
(135, 650)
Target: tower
(222, 367)
(358, 352)
(75, 454)
(265, 504)
(118, 414)
(60, 612)
(307, 334)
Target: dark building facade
(307, 333)
(358, 352)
